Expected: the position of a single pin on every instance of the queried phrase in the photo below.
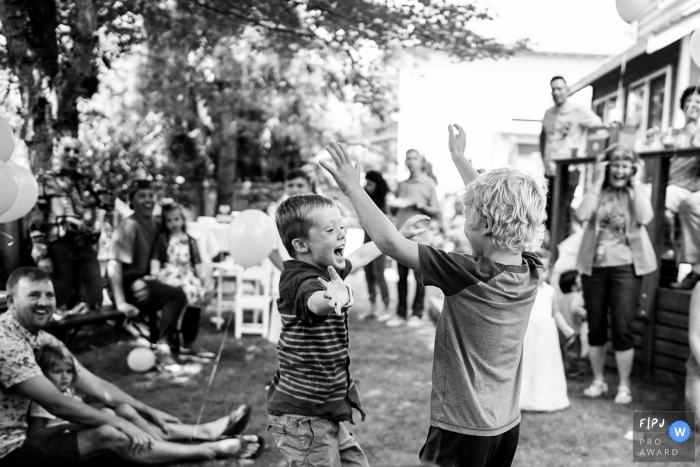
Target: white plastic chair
(245, 290)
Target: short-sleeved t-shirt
(314, 373)
(421, 190)
(477, 364)
(685, 171)
(564, 127)
(132, 244)
(612, 247)
(17, 365)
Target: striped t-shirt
(314, 374)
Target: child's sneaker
(395, 321)
(624, 395)
(414, 321)
(597, 388)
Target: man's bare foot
(240, 447)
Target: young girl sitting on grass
(59, 366)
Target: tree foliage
(232, 80)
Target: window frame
(646, 82)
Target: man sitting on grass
(31, 303)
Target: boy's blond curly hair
(510, 202)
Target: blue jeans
(615, 289)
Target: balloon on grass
(27, 193)
(252, 237)
(141, 359)
(8, 188)
(7, 140)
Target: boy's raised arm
(378, 226)
(369, 251)
(457, 144)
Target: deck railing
(656, 170)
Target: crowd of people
(502, 355)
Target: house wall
(499, 103)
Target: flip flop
(260, 441)
(239, 419)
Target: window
(648, 105)
(603, 106)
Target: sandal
(239, 419)
(250, 439)
(597, 388)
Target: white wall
(484, 97)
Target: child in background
(176, 262)
(59, 366)
(477, 366)
(572, 322)
(312, 391)
(544, 383)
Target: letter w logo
(680, 431)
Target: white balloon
(8, 188)
(694, 47)
(141, 359)
(631, 10)
(27, 194)
(252, 237)
(7, 140)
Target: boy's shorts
(313, 441)
(449, 449)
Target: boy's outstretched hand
(458, 142)
(345, 174)
(410, 228)
(338, 293)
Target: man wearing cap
(65, 233)
(128, 268)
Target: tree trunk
(226, 166)
(20, 20)
(79, 75)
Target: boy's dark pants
(419, 299)
(450, 449)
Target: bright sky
(576, 26)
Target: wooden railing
(656, 171)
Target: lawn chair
(246, 292)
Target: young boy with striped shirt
(312, 391)
(477, 366)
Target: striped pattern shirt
(314, 373)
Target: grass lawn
(393, 369)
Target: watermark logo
(663, 436)
(679, 431)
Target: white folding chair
(254, 295)
(244, 291)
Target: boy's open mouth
(339, 251)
